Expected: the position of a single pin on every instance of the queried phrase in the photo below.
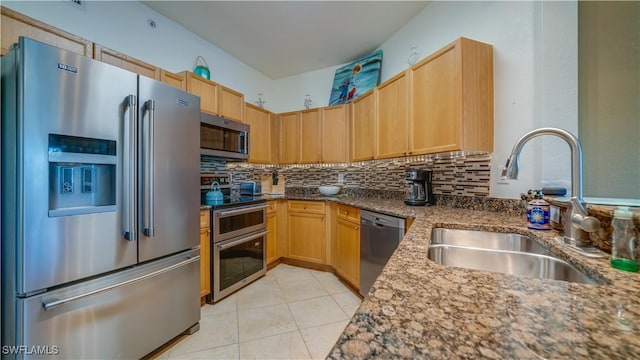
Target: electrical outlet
(340, 178)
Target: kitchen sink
(487, 240)
(505, 253)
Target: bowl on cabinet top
(329, 190)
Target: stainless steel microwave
(223, 138)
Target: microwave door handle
(128, 168)
(242, 142)
(148, 214)
(246, 143)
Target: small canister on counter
(556, 212)
(538, 213)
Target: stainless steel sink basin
(487, 240)
(505, 253)
(507, 262)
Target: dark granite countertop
(420, 309)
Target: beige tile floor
(291, 313)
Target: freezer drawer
(113, 321)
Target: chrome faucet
(577, 223)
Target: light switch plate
(340, 178)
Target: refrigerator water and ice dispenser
(82, 175)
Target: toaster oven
(250, 188)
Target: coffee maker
(419, 192)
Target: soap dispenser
(538, 212)
(623, 245)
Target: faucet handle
(580, 218)
(586, 223)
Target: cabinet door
(393, 117)
(205, 89)
(436, 104)
(205, 262)
(231, 104)
(349, 251)
(172, 79)
(310, 146)
(272, 236)
(205, 253)
(289, 138)
(335, 134)
(259, 121)
(14, 25)
(274, 128)
(123, 61)
(306, 237)
(363, 122)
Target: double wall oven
(238, 240)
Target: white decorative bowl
(329, 190)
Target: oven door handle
(240, 211)
(241, 241)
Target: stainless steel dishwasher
(379, 237)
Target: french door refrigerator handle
(129, 164)
(150, 106)
(55, 303)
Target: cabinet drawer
(307, 206)
(205, 219)
(272, 206)
(349, 213)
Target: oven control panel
(224, 180)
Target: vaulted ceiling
(284, 38)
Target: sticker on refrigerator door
(183, 102)
(68, 68)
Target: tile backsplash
(463, 175)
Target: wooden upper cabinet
(126, 62)
(14, 25)
(451, 100)
(363, 127)
(289, 138)
(176, 80)
(259, 121)
(335, 132)
(230, 104)
(207, 91)
(393, 117)
(310, 140)
(275, 139)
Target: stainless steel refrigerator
(100, 208)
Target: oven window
(232, 223)
(241, 261)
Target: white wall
(535, 69)
(535, 65)
(122, 26)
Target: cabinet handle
(355, 228)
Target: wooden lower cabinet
(272, 232)
(347, 254)
(306, 235)
(205, 253)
